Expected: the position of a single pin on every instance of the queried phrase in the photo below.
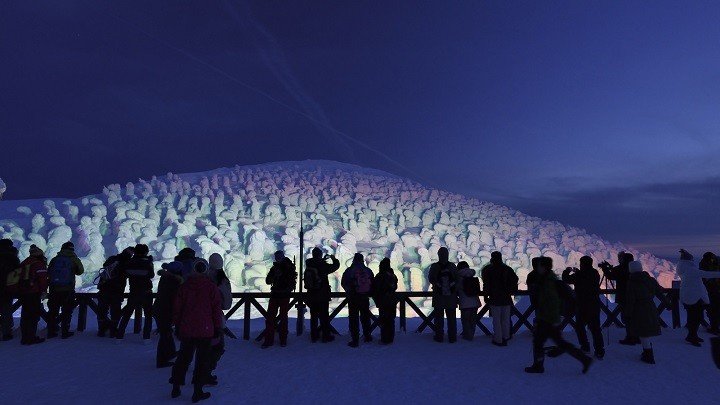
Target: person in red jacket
(197, 316)
(33, 284)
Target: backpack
(16, 277)
(60, 272)
(287, 279)
(471, 286)
(567, 298)
(108, 273)
(311, 279)
(362, 280)
(446, 282)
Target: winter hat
(216, 261)
(68, 246)
(174, 267)
(628, 257)
(200, 266)
(635, 266)
(317, 253)
(36, 251)
(685, 255)
(463, 265)
(496, 257)
(279, 256)
(5, 243)
(358, 258)
(141, 249)
(185, 253)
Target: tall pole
(301, 302)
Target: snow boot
(199, 394)
(585, 348)
(353, 343)
(600, 354)
(586, 362)
(67, 334)
(536, 368)
(503, 344)
(7, 337)
(439, 338)
(647, 356)
(693, 341)
(368, 339)
(715, 346)
(175, 391)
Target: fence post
(246, 319)
(403, 319)
(675, 302)
(82, 315)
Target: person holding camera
(317, 286)
(620, 274)
(586, 280)
(444, 278)
(198, 318)
(546, 298)
(282, 278)
(693, 294)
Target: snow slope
(415, 370)
(245, 213)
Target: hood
(216, 262)
(467, 272)
(67, 252)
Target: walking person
(442, 276)
(546, 298)
(139, 271)
(586, 280)
(168, 286)
(619, 274)
(317, 286)
(62, 271)
(197, 316)
(499, 282)
(642, 318)
(709, 262)
(111, 287)
(9, 261)
(282, 278)
(693, 294)
(219, 278)
(385, 285)
(31, 287)
(357, 282)
(468, 299)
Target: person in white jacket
(693, 293)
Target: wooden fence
(520, 317)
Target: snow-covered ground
(416, 370)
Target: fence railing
(520, 317)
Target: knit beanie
(68, 246)
(216, 261)
(36, 251)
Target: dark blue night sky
(603, 115)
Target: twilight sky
(602, 115)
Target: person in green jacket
(61, 300)
(544, 295)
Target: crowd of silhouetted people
(192, 293)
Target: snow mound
(245, 213)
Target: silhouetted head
(358, 259)
(621, 254)
(6, 243)
(586, 262)
(185, 253)
(174, 267)
(685, 255)
(128, 252)
(546, 264)
(709, 261)
(36, 251)
(495, 257)
(216, 261)
(629, 257)
(317, 253)
(443, 255)
(200, 266)
(385, 265)
(463, 265)
(279, 256)
(141, 250)
(68, 246)
(535, 263)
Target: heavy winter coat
(220, 279)
(77, 269)
(545, 294)
(324, 269)
(140, 272)
(640, 313)
(168, 287)
(619, 274)
(587, 287)
(197, 310)
(282, 278)
(9, 261)
(33, 279)
(385, 285)
(444, 281)
(692, 288)
(348, 281)
(499, 283)
(466, 301)
(712, 285)
(117, 284)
